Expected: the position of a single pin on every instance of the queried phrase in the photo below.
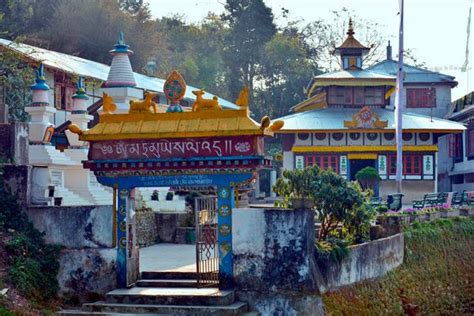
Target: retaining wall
(274, 266)
(87, 261)
(365, 261)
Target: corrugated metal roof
(88, 68)
(412, 74)
(333, 119)
(355, 74)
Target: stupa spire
(79, 99)
(121, 73)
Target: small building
(457, 168)
(348, 122)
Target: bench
(430, 200)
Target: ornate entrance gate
(207, 253)
(207, 146)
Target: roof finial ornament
(350, 31)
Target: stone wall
(274, 266)
(365, 261)
(16, 180)
(87, 262)
(14, 142)
(146, 227)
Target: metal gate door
(207, 253)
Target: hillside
(436, 278)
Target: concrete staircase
(97, 195)
(70, 198)
(165, 293)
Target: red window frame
(323, 161)
(455, 146)
(421, 97)
(412, 164)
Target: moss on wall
(437, 276)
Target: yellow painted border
(348, 149)
(353, 156)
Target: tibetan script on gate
(176, 148)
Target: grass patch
(436, 277)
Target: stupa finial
(350, 31)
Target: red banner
(176, 148)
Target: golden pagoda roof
(176, 125)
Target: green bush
(33, 265)
(298, 183)
(169, 196)
(367, 177)
(381, 209)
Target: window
(340, 95)
(455, 146)
(411, 164)
(470, 139)
(374, 96)
(421, 97)
(323, 161)
(356, 95)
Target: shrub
(169, 196)
(381, 209)
(155, 196)
(33, 264)
(337, 202)
(367, 177)
(298, 183)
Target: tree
(285, 71)
(251, 27)
(367, 177)
(195, 50)
(16, 77)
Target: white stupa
(120, 84)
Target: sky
(435, 30)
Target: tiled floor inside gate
(168, 257)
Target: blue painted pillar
(225, 203)
(122, 207)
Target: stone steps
(70, 198)
(168, 275)
(183, 283)
(236, 308)
(171, 296)
(97, 195)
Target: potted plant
(155, 196)
(169, 196)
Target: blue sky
(434, 29)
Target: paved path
(168, 257)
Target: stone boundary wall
(146, 227)
(365, 261)
(275, 268)
(87, 261)
(274, 263)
